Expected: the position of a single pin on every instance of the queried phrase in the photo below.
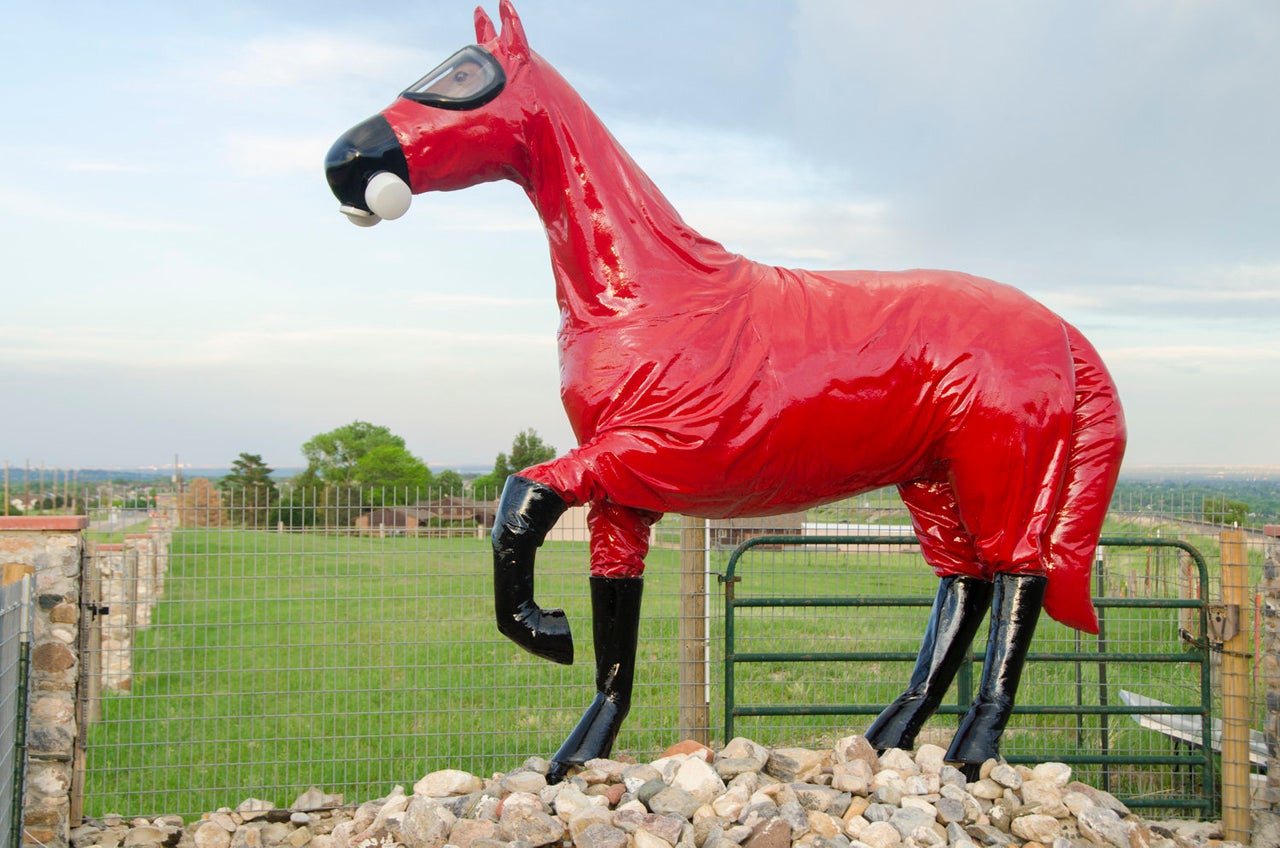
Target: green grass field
(277, 661)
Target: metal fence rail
(1082, 711)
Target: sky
(176, 279)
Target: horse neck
(617, 244)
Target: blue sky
(177, 278)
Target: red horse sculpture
(700, 382)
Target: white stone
(915, 785)
(699, 779)
(584, 817)
(426, 823)
(668, 766)
(1103, 826)
(1047, 795)
(524, 781)
(986, 789)
(210, 835)
(743, 748)
(1056, 773)
(854, 825)
(1036, 827)
(1006, 775)
(854, 776)
(730, 804)
(795, 764)
(900, 761)
(447, 782)
(1077, 801)
(824, 824)
(887, 777)
(645, 839)
(880, 835)
(928, 836)
(571, 799)
(930, 758)
(526, 801)
(917, 803)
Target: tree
(249, 490)
(449, 482)
(1220, 510)
(201, 505)
(391, 475)
(527, 449)
(332, 457)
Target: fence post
(1235, 690)
(695, 712)
(1271, 665)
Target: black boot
(1015, 609)
(958, 609)
(615, 609)
(525, 514)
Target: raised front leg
(526, 512)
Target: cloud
(269, 155)
(100, 167)
(322, 349)
(758, 195)
(68, 212)
(433, 300)
(313, 59)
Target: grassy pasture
(277, 661)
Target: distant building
(447, 516)
(728, 533)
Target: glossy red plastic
(700, 382)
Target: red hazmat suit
(700, 382)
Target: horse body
(700, 382)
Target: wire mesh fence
(240, 649)
(15, 627)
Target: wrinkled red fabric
(702, 383)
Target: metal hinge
(1224, 621)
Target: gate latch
(97, 609)
(1224, 621)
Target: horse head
(456, 127)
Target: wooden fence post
(695, 712)
(1235, 690)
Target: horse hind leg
(958, 610)
(1015, 609)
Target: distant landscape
(1249, 495)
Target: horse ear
(512, 30)
(484, 27)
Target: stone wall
(127, 580)
(1270, 588)
(53, 547)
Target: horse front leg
(615, 610)
(526, 512)
(619, 542)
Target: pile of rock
(746, 795)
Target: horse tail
(1093, 464)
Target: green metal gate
(1187, 728)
